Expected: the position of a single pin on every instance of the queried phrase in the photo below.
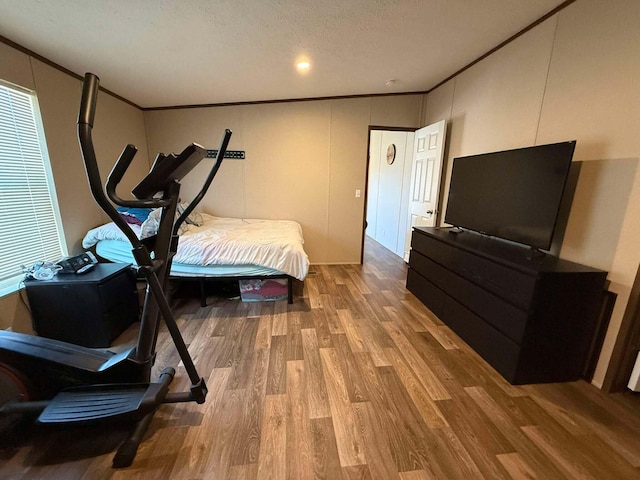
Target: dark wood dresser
(533, 318)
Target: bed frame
(203, 280)
(112, 252)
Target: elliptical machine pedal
(92, 404)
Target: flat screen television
(515, 195)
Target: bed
(217, 248)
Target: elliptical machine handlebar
(85, 125)
(121, 166)
(212, 173)
(114, 178)
(86, 116)
(89, 99)
(171, 167)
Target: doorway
(404, 171)
(387, 188)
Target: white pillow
(194, 217)
(150, 226)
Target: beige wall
(304, 161)
(116, 124)
(575, 76)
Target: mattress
(120, 252)
(219, 246)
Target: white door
(428, 153)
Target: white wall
(388, 189)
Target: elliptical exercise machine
(65, 384)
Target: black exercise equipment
(66, 384)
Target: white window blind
(30, 227)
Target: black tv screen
(513, 194)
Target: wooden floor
(355, 380)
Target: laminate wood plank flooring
(355, 380)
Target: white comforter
(275, 244)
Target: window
(30, 226)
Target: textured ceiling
(168, 52)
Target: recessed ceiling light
(303, 66)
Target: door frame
(366, 177)
(625, 350)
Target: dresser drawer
(498, 350)
(426, 292)
(507, 283)
(509, 320)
